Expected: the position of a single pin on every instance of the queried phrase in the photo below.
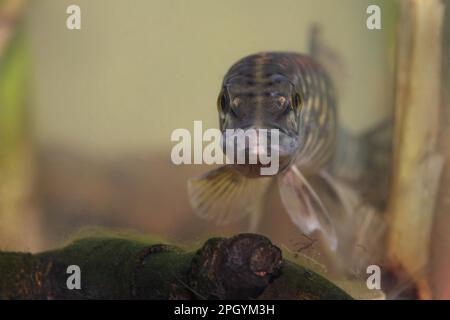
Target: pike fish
(292, 93)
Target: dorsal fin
(328, 58)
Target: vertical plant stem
(417, 165)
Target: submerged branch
(246, 266)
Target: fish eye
(297, 103)
(222, 101)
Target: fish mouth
(259, 151)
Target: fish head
(260, 123)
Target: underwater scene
(225, 150)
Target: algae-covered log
(246, 266)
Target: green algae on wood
(246, 266)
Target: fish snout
(258, 151)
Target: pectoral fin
(304, 206)
(225, 196)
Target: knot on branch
(240, 267)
